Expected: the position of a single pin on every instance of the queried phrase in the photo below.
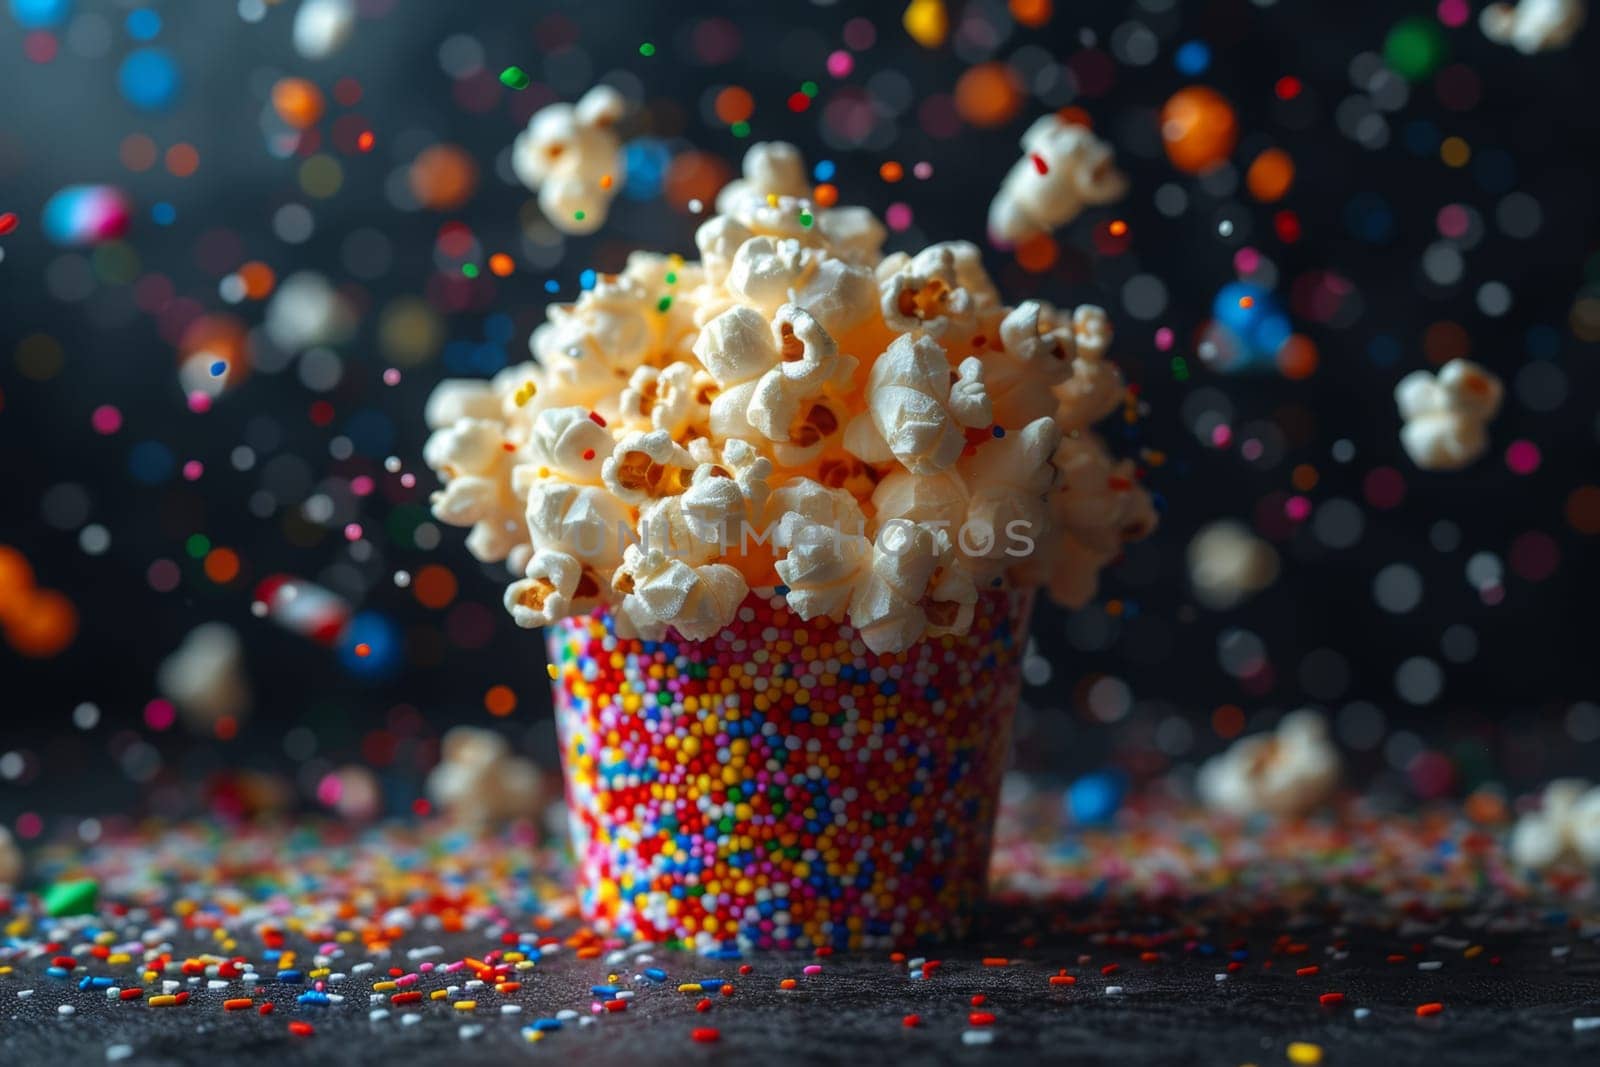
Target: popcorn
(1447, 417)
(1565, 830)
(913, 587)
(585, 521)
(1097, 507)
(915, 412)
(648, 466)
(1532, 26)
(1228, 563)
(1286, 773)
(796, 385)
(479, 780)
(591, 347)
(204, 676)
(10, 859)
(675, 399)
(554, 586)
(941, 290)
(565, 155)
(822, 531)
(567, 443)
(659, 591)
(1064, 169)
(306, 311)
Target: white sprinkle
(977, 1037)
(625, 994)
(362, 968)
(1560, 950)
(587, 1020)
(24, 994)
(917, 963)
(113, 993)
(66, 1009)
(1113, 991)
(1430, 965)
(511, 1009)
(470, 1031)
(377, 1015)
(566, 1015)
(249, 977)
(1362, 1013)
(335, 998)
(1590, 1023)
(118, 1052)
(410, 1018)
(425, 951)
(476, 983)
(1450, 942)
(216, 983)
(169, 986)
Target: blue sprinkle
(824, 169)
(552, 286)
(999, 431)
(1193, 57)
(311, 996)
(605, 990)
(655, 974)
(219, 368)
(290, 976)
(547, 1025)
(586, 280)
(56, 972)
(711, 985)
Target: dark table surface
(1394, 913)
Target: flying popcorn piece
(1447, 416)
(554, 586)
(912, 588)
(306, 311)
(1286, 773)
(1565, 829)
(1064, 169)
(659, 591)
(478, 780)
(571, 156)
(1228, 564)
(1532, 26)
(915, 412)
(204, 676)
(323, 27)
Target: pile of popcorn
(879, 437)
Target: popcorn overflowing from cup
(877, 437)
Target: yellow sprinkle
(772, 199)
(1474, 952)
(689, 987)
(320, 972)
(384, 987)
(464, 1005)
(525, 965)
(513, 957)
(5, 970)
(1304, 1052)
(438, 994)
(118, 957)
(105, 937)
(166, 1000)
(550, 669)
(151, 976)
(533, 1035)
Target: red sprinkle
(704, 1005)
(744, 968)
(300, 1028)
(1307, 972)
(978, 999)
(1039, 164)
(181, 998)
(995, 961)
(1328, 1000)
(265, 1009)
(64, 961)
(131, 994)
(410, 996)
(616, 1005)
(1110, 968)
(8, 222)
(237, 1004)
(705, 1034)
(1063, 979)
(1433, 1008)
(911, 1021)
(981, 1018)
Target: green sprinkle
(514, 78)
(469, 269)
(664, 303)
(672, 278)
(805, 218)
(647, 49)
(809, 88)
(197, 545)
(578, 215)
(741, 129)
(71, 898)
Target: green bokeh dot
(1415, 48)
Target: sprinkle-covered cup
(778, 784)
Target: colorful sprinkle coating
(781, 786)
